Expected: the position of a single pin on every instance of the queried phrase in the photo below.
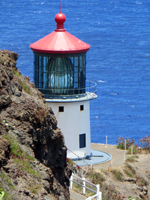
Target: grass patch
(7, 195)
(78, 188)
(130, 168)
(117, 174)
(22, 82)
(6, 186)
(26, 166)
(16, 73)
(21, 157)
(1, 61)
(143, 182)
(16, 150)
(95, 177)
(109, 192)
(7, 180)
(25, 87)
(34, 188)
(132, 159)
(128, 173)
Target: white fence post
(131, 149)
(91, 164)
(83, 187)
(97, 192)
(100, 195)
(124, 158)
(71, 182)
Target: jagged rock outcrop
(28, 122)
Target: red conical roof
(60, 41)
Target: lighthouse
(60, 74)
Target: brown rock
(145, 190)
(141, 195)
(4, 151)
(130, 179)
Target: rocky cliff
(32, 150)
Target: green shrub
(121, 143)
(145, 143)
(135, 150)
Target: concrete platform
(96, 157)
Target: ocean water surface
(118, 60)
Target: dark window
(61, 108)
(81, 107)
(82, 140)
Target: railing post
(100, 195)
(97, 192)
(91, 164)
(83, 187)
(131, 149)
(71, 182)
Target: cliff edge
(32, 150)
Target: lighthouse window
(81, 107)
(60, 75)
(82, 140)
(61, 108)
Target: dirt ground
(137, 186)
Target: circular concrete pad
(96, 157)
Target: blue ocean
(118, 60)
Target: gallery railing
(69, 92)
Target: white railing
(74, 179)
(69, 92)
(82, 172)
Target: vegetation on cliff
(32, 150)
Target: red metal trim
(59, 52)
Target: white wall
(73, 122)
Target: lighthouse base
(74, 121)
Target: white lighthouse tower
(60, 74)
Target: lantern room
(60, 74)
(60, 62)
